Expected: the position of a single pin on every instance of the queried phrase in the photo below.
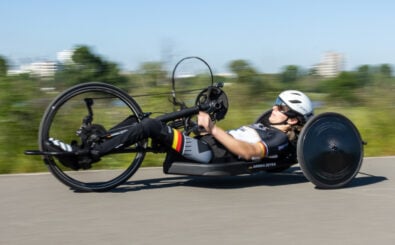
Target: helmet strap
(281, 123)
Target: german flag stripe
(263, 148)
(177, 141)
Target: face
(277, 116)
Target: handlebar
(211, 100)
(183, 113)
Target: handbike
(329, 149)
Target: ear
(292, 121)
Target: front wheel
(109, 106)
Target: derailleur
(91, 134)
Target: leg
(188, 147)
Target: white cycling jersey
(246, 133)
(274, 139)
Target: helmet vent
(295, 101)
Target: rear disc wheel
(330, 150)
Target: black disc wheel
(330, 150)
(108, 107)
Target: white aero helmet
(297, 102)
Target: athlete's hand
(205, 122)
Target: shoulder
(266, 132)
(245, 133)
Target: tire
(63, 118)
(330, 150)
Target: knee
(156, 130)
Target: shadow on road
(289, 177)
(365, 179)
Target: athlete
(290, 112)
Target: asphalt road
(153, 208)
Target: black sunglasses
(283, 108)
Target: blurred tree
(88, 67)
(153, 73)
(383, 78)
(313, 71)
(243, 70)
(251, 80)
(364, 75)
(290, 74)
(3, 67)
(342, 88)
(385, 70)
(83, 55)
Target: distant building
(41, 69)
(45, 69)
(65, 56)
(331, 65)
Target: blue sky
(269, 34)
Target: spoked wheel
(109, 106)
(330, 150)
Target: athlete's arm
(240, 148)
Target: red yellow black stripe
(178, 141)
(263, 148)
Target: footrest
(49, 153)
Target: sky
(268, 34)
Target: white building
(45, 69)
(41, 69)
(65, 56)
(331, 64)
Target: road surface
(153, 208)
